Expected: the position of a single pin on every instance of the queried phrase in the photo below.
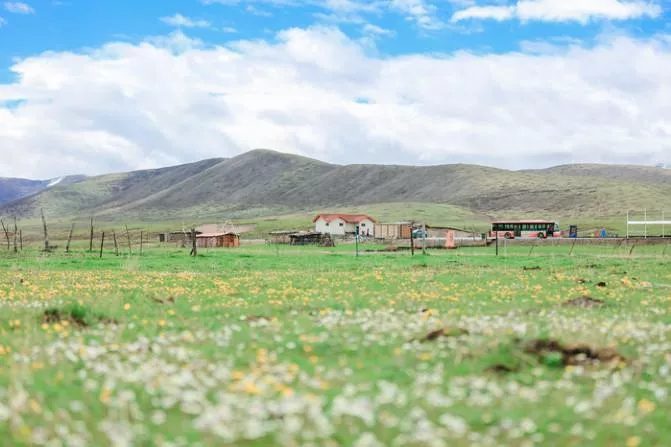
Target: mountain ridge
(266, 182)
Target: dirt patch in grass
(167, 300)
(585, 302)
(526, 269)
(444, 332)
(76, 316)
(500, 368)
(554, 353)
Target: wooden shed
(281, 237)
(312, 238)
(218, 240)
(397, 230)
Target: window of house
(363, 224)
(342, 224)
(327, 224)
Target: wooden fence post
(130, 248)
(67, 246)
(102, 243)
(21, 239)
(194, 243)
(16, 230)
(6, 232)
(141, 241)
(46, 234)
(91, 237)
(116, 246)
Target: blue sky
(37, 36)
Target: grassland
(285, 346)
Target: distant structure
(344, 224)
(218, 240)
(634, 220)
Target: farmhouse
(218, 240)
(344, 224)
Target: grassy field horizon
(305, 345)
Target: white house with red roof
(344, 224)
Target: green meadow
(277, 345)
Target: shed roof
(349, 218)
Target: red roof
(349, 218)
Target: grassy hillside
(12, 189)
(15, 188)
(643, 174)
(104, 193)
(267, 183)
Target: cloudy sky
(110, 85)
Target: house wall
(367, 227)
(334, 227)
(339, 227)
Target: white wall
(339, 227)
(367, 225)
(334, 227)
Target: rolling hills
(12, 189)
(266, 183)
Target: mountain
(264, 182)
(643, 174)
(12, 189)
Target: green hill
(267, 183)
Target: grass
(289, 346)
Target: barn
(218, 240)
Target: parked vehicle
(525, 229)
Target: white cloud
(375, 30)
(421, 12)
(562, 10)
(19, 8)
(319, 93)
(181, 21)
(3, 22)
(498, 13)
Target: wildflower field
(311, 347)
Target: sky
(98, 86)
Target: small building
(395, 230)
(311, 238)
(281, 236)
(180, 237)
(218, 240)
(344, 224)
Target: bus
(525, 229)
